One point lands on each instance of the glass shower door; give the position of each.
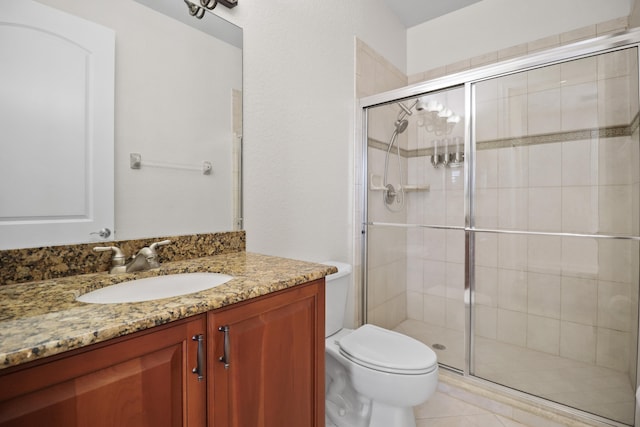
(555, 226)
(415, 221)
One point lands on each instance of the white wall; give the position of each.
(491, 25)
(299, 99)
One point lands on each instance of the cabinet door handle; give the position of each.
(201, 362)
(225, 358)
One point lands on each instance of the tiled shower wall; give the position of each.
(387, 267)
(553, 281)
(558, 152)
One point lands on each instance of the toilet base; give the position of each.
(384, 416)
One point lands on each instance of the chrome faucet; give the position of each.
(145, 259)
(150, 254)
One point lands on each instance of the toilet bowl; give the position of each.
(373, 376)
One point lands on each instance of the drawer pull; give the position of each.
(201, 362)
(225, 358)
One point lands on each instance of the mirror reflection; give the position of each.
(178, 103)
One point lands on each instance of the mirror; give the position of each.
(178, 103)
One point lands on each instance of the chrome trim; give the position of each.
(637, 421)
(469, 215)
(557, 234)
(498, 231)
(469, 297)
(364, 279)
(395, 224)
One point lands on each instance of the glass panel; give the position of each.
(415, 277)
(557, 317)
(557, 152)
(414, 161)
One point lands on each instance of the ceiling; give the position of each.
(414, 12)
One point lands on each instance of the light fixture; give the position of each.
(199, 10)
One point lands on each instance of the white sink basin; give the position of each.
(157, 287)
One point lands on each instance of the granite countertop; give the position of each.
(40, 319)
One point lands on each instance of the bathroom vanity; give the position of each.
(247, 353)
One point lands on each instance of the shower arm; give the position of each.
(406, 111)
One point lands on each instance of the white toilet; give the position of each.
(374, 377)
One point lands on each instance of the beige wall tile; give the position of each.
(455, 314)
(580, 210)
(512, 51)
(544, 43)
(512, 290)
(485, 59)
(543, 295)
(543, 334)
(580, 257)
(513, 208)
(458, 66)
(578, 342)
(512, 251)
(612, 26)
(580, 106)
(486, 322)
(613, 349)
(578, 34)
(434, 310)
(545, 165)
(579, 300)
(434, 73)
(486, 286)
(614, 306)
(544, 254)
(512, 327)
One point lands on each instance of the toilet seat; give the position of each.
(388, 351)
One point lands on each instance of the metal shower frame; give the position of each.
(468, 79)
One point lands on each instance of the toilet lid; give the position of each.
(386, 350)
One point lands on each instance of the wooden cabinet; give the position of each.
(272, 371)
(140, 380)
(272, 374)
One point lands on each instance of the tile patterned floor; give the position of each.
(445, 411)
(591, 388)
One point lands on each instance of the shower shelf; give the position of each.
(375, 184)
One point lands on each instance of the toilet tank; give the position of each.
(336, 291)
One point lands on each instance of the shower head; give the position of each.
(401, 125)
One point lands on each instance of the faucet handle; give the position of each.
(153, 246)
(118, 257)
(150, 253)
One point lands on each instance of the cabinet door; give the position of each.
(140, 380)
(273, 374)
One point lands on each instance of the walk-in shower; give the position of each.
(515, 251)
